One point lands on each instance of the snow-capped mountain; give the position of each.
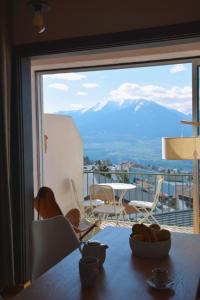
(133, 118)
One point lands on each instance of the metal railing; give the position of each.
(175, 202)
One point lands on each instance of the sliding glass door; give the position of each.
(168, 90)
(196, 132)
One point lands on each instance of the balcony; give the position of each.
(175, 206)
(63, 159)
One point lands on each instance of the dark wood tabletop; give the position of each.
(123, 276)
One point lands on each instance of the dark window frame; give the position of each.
(21, 127)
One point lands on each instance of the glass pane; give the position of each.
(121, 115)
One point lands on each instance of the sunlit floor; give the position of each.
(130, 224)
(177, 221)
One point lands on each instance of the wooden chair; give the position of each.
(47, 207)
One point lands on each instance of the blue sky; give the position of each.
(169, 85)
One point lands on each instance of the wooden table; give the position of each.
(123, 276)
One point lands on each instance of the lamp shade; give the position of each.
(181, 148)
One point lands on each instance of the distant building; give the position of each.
(125, 166)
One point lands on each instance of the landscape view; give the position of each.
(122, 114)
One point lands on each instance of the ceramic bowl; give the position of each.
(149, 250)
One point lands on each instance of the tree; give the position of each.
(87, 160)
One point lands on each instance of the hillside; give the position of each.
(131, 130)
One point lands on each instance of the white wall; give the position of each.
(63, 159)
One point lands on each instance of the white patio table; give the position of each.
(122, 187)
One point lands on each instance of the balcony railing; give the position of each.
(175, 202)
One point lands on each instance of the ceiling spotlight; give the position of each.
(39, 8)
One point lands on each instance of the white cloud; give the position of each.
(177, 68)
(66, 76)
(175, 97)
(82, 93)
(90, 85)
(149, 92)
(59, 86)
(76, 106)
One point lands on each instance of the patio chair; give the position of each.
(110, 207)
(51, 240)
(80, 215)
(146, 208)
(47, 207)
(86, 205)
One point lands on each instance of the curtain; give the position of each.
(7, 273)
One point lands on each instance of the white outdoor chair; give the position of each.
(110, 206)
(146, 208)
(91, 203)
(81, 220)
(51, 240)
(86, 206)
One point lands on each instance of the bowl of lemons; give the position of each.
(149, 241)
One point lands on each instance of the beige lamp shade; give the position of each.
(181, 148)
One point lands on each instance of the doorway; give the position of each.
(177, 65)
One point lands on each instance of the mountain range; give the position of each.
(130, 130)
